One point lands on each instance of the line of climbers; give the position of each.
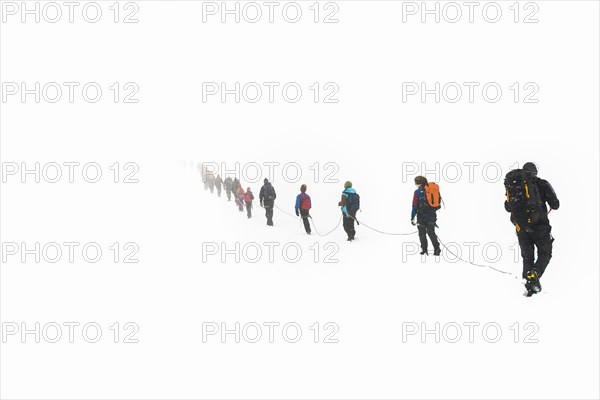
(526, 199)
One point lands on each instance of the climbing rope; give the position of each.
(393, 234)
(442, 243)
(285, 212)
(313, 222)
(475, 264)
(384, 233)
(331, 231)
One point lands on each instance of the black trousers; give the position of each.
(269, 214)
(305, 216)
(428, 229)
(541, 238)
(249, 209)
(228, 191)
(349, 225)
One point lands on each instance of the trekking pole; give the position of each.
(354, 218)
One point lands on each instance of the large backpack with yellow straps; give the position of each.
(523, 199)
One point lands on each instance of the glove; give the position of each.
(261, 204)
(413, 222)
(297, 213)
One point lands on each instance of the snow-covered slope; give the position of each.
(380, 290)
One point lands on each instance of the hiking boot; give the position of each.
(437, 252)
(532, 285)
(423, 252)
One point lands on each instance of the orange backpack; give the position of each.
(432, 193)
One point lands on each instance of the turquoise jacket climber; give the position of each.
(345, 199)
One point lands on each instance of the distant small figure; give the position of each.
(248, 197)
(350, 204)
(219, 184)
(239, 191)
(267, 198)
(228, 187)
(303, 206)
(211, 181)
(203, 172)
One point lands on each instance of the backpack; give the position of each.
(352, 203)
(305, 201)
(269, 192)
(432, 194)
(523, 198)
